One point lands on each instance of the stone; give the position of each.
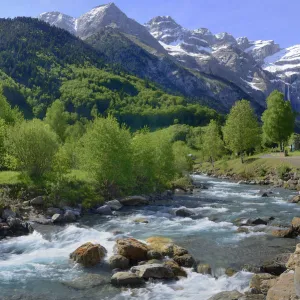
(89, 254)
(38, 201)
(157, 271)
(141, 220)
(184, 212)
(51, 211)
(261, 283)
(284, 233)
(126, 279)
(253, 297)
(234, 295)
(118, 232)
(242, 230)
(295, 199)
(258, 221)
(230, 272)
(296, 223)
(104, 210)
(86, 282)
(185, 260)
(7, 213)
(132, 249)
(284, 288)
(57, 218)
(176, 269)
(114, 204)
(18, 227)
(294, 261)
(179, 251)
(297, 281)
(69, 216)
(277, 265)
(163, 245)
(119, 262)
(204, 269)
(152, 254)
(134, 201)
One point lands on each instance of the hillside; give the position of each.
(42, 63)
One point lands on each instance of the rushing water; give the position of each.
(37, 266)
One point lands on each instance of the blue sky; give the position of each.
(258, 19)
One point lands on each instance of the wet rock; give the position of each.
(57, 218)
(141, 220)
(176, 269)
(179, 251)
(134, 201)
(152, 254)
(261, 283)
(234, 295)
(18, 227)
(117, 232)
(283, 289)
(185, 260)
(277, 265)
(230, 272)
(295, 199)
(297, 281)
(132, 249)
(8, 213)
(242, 230)
(104, 210)
(38, 201)
(157, 271)
(119, 262)
(204, 269)
(86, 282)
(296, 223)
(285, 233)
(51, 211)
(89, 254)
(69, 216)
(126, 279)
(294, 259)
(114, 204)
(184, 212)
(162, 245)
(149, 262)
(253, 297)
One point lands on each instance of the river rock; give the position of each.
(176, 269)
(297, 281)
(8, 213)
(253, 297)
(69, 216)
(126, 279)
(119, 262)
(152, 254)
(284, 233)
(57, 218)
(114, 204)
(204, 269)
(185, 260)
(86, 282)
(296, 223)
(132, 249)
(242, 230)
(162, 245)
(134, 201)
(295, 199)
(261, 283)
(179, 251)
(230, 272)
(89, 254)
(38, 201)
(277, 265)
(157, 271)
(18, 227)
(51, 211)
(283, 289)
(234, 295)
(294, 259)
(184, 212)
(104, 210)
(141, 220)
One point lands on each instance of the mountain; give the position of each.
(40, 63)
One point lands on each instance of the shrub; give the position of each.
(282, 170)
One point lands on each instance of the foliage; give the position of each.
(106, 153)
(278, 120)
(183, 161)
(241, 131)
(213, 145)
(34, 145)
(282, 170)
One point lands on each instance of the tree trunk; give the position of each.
(242, 157)
(212, 162)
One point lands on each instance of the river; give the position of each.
(37, 266)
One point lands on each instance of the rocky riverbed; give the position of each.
(224, 233)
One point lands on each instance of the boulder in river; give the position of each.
(141, 221)
(16, 227)
(119, 262)
(285, 233)
(114, 204)
(261, 283)
(57, 218)
(277, 265)
(38, 201)
(69, 216)
(176, 269)
(184, 212)
(89, 254)
(86, 282)
(134, 201)
(7, 212)
(296, 223)
(157, 271)
(126, 279)
(233, 295)
(185, 260)
(152, 254)
(132, 249)
(104, 210)
(51, 211)
(204, 269)
(294, 259)
(295, 199)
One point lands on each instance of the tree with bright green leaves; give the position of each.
(278, 120)
(182, 160)
(34, 145)
(57, 118)
(241, 131)
(2, 141)
(7, 113)
(106, 154)
(213, 145)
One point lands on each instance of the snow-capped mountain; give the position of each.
(255, 68)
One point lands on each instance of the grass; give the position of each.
(9, 177)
